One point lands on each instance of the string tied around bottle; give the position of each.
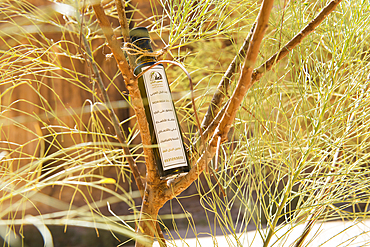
(133, 50)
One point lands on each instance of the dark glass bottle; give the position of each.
(169, 151)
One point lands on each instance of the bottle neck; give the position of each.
(144, 55)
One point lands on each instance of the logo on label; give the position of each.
(155, 76)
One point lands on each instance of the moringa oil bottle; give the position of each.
(169, 151)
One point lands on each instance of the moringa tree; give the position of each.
(156, 192)
(286, 123)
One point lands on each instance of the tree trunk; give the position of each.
(153, 200)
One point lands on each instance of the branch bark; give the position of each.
(122, 19)
(219, 95)
(120, 5)
(149, 209)
(131, 84)
(245, 81)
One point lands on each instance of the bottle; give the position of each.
(169, 150)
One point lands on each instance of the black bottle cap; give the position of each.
(139, 33)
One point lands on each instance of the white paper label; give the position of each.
(166, 128)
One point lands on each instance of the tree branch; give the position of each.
(123, 20)
(259, 72)
(131, 85)
(152, 176)
(219, 95)
(113, 117)
(245, 80)
(267, 66)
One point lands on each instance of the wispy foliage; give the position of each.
(298, 147)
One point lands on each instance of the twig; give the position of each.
(217, 152)
(282, 22)
(318, 210)
(224, 84)
(276, 58)
(332, 174)
(259, 72)
(212, 127)
(112, 114)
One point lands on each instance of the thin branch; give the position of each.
(213, 125)
(260, 71)
(132, 86)
(120, 5)
(217, 152)
(219, 95)
(323, 193)
(267, 66)
(245, 81)
(112, 115)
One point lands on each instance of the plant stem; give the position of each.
(219, 95)
(296, 40)
(152, 176)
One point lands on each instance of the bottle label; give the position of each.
(166, 127)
